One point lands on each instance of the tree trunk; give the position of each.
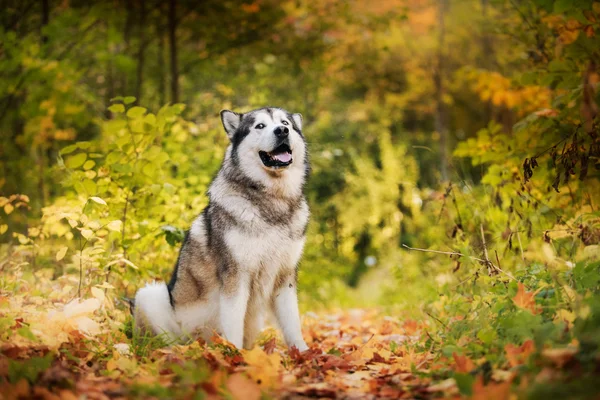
(45, 19)
(487, 61)
(161, 65)
(43, 150)
(142, 49)
(110, 80)
(173, 47)
(129, 14)
(438, 78)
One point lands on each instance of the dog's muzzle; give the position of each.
(281, 156)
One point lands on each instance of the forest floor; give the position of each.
(53, 350)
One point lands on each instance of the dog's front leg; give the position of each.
(233, 303)
(285, 308)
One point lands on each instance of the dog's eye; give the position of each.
(259, 126)
(285, 122)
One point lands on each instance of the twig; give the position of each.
(454, 253)
(520, 246)
(450, 253)
(362, 346)
(437, 319)
(485, 252)
(80, 268)
(468, 278)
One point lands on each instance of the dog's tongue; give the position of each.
(282, 157)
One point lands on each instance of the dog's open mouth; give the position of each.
(278, 158)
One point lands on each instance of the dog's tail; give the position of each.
(153, 312)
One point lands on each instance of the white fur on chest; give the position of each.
(272, 249)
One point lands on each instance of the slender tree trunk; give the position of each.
(129, 18)
(438, 78)
(110, 81)
(43, 150)
(45, 19)
(173, 47)
(161, 65)
(487, 53)
(142, 49)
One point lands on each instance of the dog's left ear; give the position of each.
(297, 120)
(231, 122)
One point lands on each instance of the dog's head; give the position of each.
(267, 144)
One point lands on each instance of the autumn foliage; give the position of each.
(453, 249)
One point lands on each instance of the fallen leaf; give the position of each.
(560, 357)
(463, 363)
(526, 300)
(242, 388)
(491, 391)
(263, 368)
(518, 355)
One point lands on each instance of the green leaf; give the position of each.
(487, 335)
(128, 99)
(334, 351)
(61, 253)
(560, 6)
(69, 149)
(149, 169)
(76, 161)
(25, 332)
(89, 164)
(150, 119)
(28, 369)
(89, 186)
(173, 235)
(113, 157)
(115, 225)
(117, 108)
(98, 200)
(136, 112)
(464, 382)
(84, 145)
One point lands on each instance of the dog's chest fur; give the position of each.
(265, 236)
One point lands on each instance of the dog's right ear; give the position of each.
(231, 122)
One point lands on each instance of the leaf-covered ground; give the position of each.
(82, 349)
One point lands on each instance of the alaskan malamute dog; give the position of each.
(239, 259)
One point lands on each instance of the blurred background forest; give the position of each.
(463, 126)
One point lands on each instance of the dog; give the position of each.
(239, 260)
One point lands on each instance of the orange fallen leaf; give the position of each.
(526, 300)
(270, 346)
(463, 363)
(263, 368)
(491, 391)
(559, 357)
(242, 388)
(518, 355)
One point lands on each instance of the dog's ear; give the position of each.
(231, 122)
(297, 120)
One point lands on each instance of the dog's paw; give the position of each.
(301, 346)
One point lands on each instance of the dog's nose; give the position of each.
(281, 131)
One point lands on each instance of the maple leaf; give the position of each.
(463, 363)
(270, 346)
(263, 368)
(492, 391)
(241, 387)
(526, 300)
(518, 355)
